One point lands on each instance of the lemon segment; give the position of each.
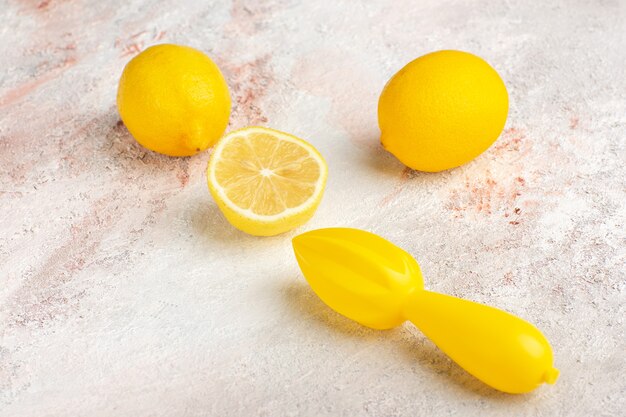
(264, 181)
(174, 100)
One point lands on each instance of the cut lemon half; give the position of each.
(266, 182)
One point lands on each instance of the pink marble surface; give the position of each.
(124, 292)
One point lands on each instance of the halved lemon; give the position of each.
(266, 182)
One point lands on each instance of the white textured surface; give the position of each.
(124, 292)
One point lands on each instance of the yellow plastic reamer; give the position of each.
(368, 279)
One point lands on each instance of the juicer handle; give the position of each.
(502, 350)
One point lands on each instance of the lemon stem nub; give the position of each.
(551, 376)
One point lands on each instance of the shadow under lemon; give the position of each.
(210, 225)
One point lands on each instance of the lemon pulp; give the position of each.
(266, 182)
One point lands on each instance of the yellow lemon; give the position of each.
(442, 110)
(266, 182)
(173, 100)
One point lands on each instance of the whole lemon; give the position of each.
(174, 100)
(442, 110)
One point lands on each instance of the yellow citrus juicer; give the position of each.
(370, 280)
